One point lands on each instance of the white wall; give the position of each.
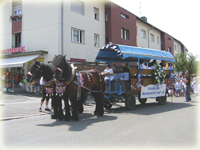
(5, 24)
(178, 47)
(85, 22)
(40, 26)
(141, 42)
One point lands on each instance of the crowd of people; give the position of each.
(183, 82)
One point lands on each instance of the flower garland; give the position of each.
(158, 75)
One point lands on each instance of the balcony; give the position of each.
(16, 23)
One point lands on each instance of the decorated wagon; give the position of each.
(141, 83)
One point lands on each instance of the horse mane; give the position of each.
(33, 64)
(60, 61)
(45, 69)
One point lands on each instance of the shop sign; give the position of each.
(13, 50)
(153, 91)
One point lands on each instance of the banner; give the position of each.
(153, 91)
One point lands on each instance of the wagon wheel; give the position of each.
(142, 100)
(130, 102)
(161, 100)
(107, 104)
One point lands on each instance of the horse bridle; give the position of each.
(33, 76)
(59, 69)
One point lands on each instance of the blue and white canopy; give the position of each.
(122, 53)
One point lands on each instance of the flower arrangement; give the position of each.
(158, 75)
(15, 17)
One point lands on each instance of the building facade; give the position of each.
(72, 28)
(75, 28)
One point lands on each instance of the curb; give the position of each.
(20, 117)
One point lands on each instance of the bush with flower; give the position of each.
(158, 75)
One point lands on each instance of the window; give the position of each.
(124, 16)
(17, 13)
(158, 40)
(169, 39)
(175, 47)
(77, 6)
(143, 34)
(136, 31)
(106, 17)
(17, 40)
(96, 40)
(96, 13)
(124, 34)
(77, 35)
(169, 49)
(152, 37)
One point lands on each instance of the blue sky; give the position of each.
(178, 18)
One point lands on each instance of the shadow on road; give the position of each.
(85, 119)
(151, 108)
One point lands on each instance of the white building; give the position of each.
(47, 28)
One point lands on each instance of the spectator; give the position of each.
(24, 82)
(196, 83)
(187, 81)
(178, 87)
(16, 79)
(42, 101)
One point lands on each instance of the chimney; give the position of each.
(144, 18)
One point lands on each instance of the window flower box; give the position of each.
(16, 17)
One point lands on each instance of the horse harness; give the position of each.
(61, 86)
(48, 85)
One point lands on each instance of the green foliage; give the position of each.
(185, 62)
(192, 64)
(180, 62)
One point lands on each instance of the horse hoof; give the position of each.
(75, 118)
(95, 113)
(53, 117)
(67, 118)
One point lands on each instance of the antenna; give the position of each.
(140, 8)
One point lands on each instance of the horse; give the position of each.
(44, 71)
(75, 85)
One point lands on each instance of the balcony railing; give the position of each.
(16, 17)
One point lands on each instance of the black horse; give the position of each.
(76, 85)
(36, 71)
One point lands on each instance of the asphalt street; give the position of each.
(150, 126)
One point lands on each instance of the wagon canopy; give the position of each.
(123, 53)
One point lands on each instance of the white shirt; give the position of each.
(178, 85)
(143, 66)
(170, 68)
(111, 72)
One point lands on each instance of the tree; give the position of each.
(185, 62)
(180, 62)
(191, 64)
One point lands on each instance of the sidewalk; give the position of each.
(21, 91)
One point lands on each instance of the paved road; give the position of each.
(174, 125)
